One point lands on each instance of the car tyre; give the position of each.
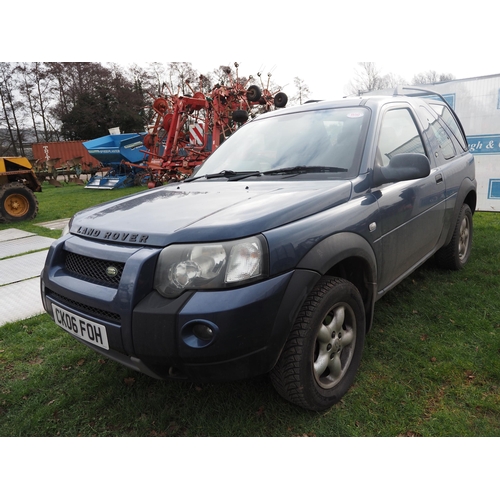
(455, 255)
(323, 352)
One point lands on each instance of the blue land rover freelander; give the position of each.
(270, 258)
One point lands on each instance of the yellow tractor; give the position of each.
(18, 183)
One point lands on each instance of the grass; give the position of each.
(431, 366)
(63, 202)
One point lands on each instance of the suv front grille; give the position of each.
(94, 270)
(93, 311)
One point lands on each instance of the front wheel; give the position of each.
(323, 352)
(455, 255)
(17, 203)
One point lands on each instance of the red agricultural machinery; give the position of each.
(187, 129)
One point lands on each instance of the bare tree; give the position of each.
(26, 90)
(366, 79)
(156, 74)
(179, 73)
(431, 76)
(369, 78)
(392, 81)
(221, 75)
(302, 93)
(35, 87)
(10, 107)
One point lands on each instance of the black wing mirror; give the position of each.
(402, 167)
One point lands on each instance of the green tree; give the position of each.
(113, 101)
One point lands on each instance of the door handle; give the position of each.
(439, 178)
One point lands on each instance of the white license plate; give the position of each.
(81, 328)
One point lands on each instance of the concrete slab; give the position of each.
(21, 268)
(19, 274)
(54, 224)
(20, 301)
(23, 245)
(13, 234)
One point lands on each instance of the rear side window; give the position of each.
(450, 121)
(398, 135)
(440, 134)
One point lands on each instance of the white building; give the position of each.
(477, 103)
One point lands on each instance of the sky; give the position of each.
(332, 81)
(316, 41)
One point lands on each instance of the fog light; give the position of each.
(203, 332)
(199, 333)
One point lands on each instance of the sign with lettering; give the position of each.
(484, 144)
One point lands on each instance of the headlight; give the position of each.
(210, 265)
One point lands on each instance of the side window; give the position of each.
(450, 121)
(445, 143)
(398, 134)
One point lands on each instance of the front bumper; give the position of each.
(157, 336)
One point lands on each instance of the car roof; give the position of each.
(372, 101)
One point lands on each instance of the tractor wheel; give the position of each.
(280, 100)
(17, 203)
(254, 93)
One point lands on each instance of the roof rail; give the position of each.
(421, 92)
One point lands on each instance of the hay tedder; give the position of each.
(186, 130)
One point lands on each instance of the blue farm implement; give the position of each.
(120, 155)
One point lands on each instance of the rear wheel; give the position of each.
(323, 352)
(240, 115)
(254, 93)
(455, 255)
(280, 100)
(17, 203)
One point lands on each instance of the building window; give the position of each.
(494, 189)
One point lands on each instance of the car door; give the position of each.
(411, 212)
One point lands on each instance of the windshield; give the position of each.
(328, 140)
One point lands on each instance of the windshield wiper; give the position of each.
(302, 169)
(231, 175)
(228, 174)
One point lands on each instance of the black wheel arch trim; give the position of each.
(466, 193)
(344, 247)
(301, 284)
